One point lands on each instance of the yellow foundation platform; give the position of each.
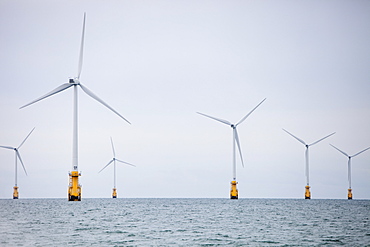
(307, 194)
(234, 191)
(74, 188)
(15, 192)
(349, 194)
(114, 194)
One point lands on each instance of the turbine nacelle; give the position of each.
(74, 81)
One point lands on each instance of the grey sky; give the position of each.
(159, 62)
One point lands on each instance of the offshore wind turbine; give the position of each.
(349, 168)
(234, 191)
(307, 191)
(17, 156)
(74, 188)
(114, 194)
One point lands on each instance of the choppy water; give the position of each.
(184, 222)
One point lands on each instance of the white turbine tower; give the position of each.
(234, 191)
(307, 193)
(349, 168)
(17, 156)
(114, 194)
(74, 190)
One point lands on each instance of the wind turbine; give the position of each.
(74, 189)
(114, 194)
(234, 192)
(307, 192)
(17, 156)
(349, 168)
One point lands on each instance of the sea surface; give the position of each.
(184, 222)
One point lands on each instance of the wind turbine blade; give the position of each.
(339, 150)
(217, 119)
(106, 165)
(57, 90)
(125, 162)
(321, 139)
(114, 153)
(92, 95)
(237, 142)
(26, 138)
(7, 147)
(250, 112)
(19, 157)
(81, 49)
(301, 141)
(361, 152)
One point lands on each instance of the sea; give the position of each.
(184, 222)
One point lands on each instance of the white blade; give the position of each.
(92, 95)
(7, 147)
(217, 119)
(301, 141)
(81, 48)
(114, 153)
(321, 139)
(19, 157)
(106, 165)
(237, 142)
(361, 152)
(339, 150)
(26, 137)
(250, 113)
(125, 162)
(57, 90)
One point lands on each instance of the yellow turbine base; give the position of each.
(15, 192)
(234, 191)
(114, 194)
(307, 194)
(349, 194)
(74, 188)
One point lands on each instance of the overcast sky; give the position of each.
(159, 62)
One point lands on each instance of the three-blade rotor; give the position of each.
(16, 149)
(76, 81)
(114, 158)
(306, 152)
(235, 132)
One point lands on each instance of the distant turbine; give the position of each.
(234, 191)
(76, 196)
(17, 156)
(349, 168)
(114, 195)
(308, 193)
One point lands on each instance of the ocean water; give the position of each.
(184, 222)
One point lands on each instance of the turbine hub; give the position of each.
(74, 81)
